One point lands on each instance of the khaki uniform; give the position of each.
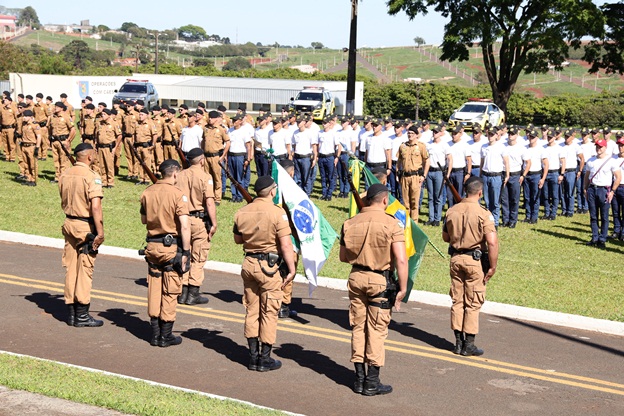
(467, 223)
(78, 186)
(42, 114)
(412, 159)
(88, 129)
(60, 126)
(212, 145)
(18, 144)
(158, 147)
(183, 119)
(30, 131)
(261, 224)
(118, 119)
(107, 135)
(144, 138)
(130, 120)
(172, 130)
(8, 116)
(162, 204)
(368, 238)
(70, 111)
(197, 185)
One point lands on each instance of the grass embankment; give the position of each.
(542, 266)
(112, 392)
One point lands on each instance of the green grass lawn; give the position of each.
(112, 392)
(56, 41)
(543, 266)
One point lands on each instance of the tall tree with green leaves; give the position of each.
(28, 17)
(77, 53)
(515, 36)
(607, 52)
(192, 33)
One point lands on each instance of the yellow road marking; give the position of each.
(345, 337)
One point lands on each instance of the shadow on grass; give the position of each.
(51, 304)
(129, 321)
(228, 296)
(317, 362)
(215, 341)
(343, 209)
(604, 348)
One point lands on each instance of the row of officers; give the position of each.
(179, 214)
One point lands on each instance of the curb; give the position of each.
(435, 299)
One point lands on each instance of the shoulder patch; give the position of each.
(184, 198)
(97, 181)
(285, 217)
(210, 182)
(491, 217)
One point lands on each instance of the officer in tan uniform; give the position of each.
(163, 208)
(216, 145)
(69, 109)
(87, 125)
(30, 143)
(8, 118)
(108, 138)
(197, 185)
(117, 114)
(42, 114)
(81, 199)
(62, 133)
(413, 166)
(145, 135)
(263, 229)
(373, 242)
(21, 107)
(183, 116)
(469, 229)
(172, 129)
(158, 121)
(130, 120)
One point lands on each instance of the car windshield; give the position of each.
(133, 88)
(310, 96)
(473, 108)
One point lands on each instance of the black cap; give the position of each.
(140, 102)
(88, 98)
(107, 111)
(63, 95)
(214, 114)
(195, 152)
(263, 182)
(476, 128)
(375, 190)
(81, 147)
(378, 169)
(260, 118)
(221, 108)
(144, 111)
(167, 164)
(39, 95)
(27, 113)
(60, 105)
(184, 106)
(513, 131)
(90, 106)
(414, 129)
(237, 118)
(458, 129)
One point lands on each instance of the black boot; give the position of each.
(470, 348)
(372, 385)
(194, 298)
(166, 337)
(155, 332)
(459, 341)
(71, 314)
(254, 344)
(284, 311)
(83, 319)
(184, 295)
(266, 363)
(360, 375)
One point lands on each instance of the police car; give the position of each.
(477, 111)
(134, 89)
(314, 100)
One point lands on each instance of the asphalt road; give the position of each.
(527, 368)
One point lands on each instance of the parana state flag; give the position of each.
(314, 233)
(415, 239)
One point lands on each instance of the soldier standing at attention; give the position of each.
(172, 130)
(108, 138)
(371, 288)
(69, 109)
(264, 231)
(8, 115)
(83, 229)
(144, 138)
(31, 143)
(62, 133)
(42, 114)
(413, 166)
(216, 145)
(164, 210)
(198, 186)
(470, 231)
(87, 124)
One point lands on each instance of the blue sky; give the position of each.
(292, 22)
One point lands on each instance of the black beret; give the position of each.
(167, 164)
(375, 190)
(81, 147)
(199, 111)
(221, 108)
(107, 111)
(63, 95)
(22, 105)
(414, 129)
(90, 106)
(287, 163)
(171, 111)
(201, 105)
(378, 169)
(144, 111)
(39, 95)
(140, 102)
(156, 108)
(29, 97)
(195, 152)
(263, 182)
(164, 107)
(7, 97)
(49, 98)
(184, 106)
(103, 105)
(214, 114)
(60, 105)
(88, 98)
(27, 113)
(20, 95)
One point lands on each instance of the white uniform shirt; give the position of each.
(376, 148)
(570, 154)
(588, 149)
(426, 136)
(262, 137)
(327, 141)
(600, 175)
(279, 140)
(535, 155)
(475, 151)
(492, 157)
(553, 153)
(396, 143)
(191, 137)
(459, 151)
(612, 148)
(363, 137)
(347, 137)
(303, 141)
(515, 154)
(238, 139)
(437, 153)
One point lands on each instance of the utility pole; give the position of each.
(350, 104)
(156, 35)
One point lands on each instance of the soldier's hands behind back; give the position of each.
(97, 241)
(399, 297)
(289, 278)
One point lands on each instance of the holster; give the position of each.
(177, 264)
(390, 293)
(485, 262)
(87, 246)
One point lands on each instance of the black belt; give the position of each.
(327, 155)
(27, 144)
(144, 144)
(165, 239)
(281, 157)
(208, 154)
(128, 135)
(303, 156)
(198, 214)
(357, 267)
(458, 169)
(85, 219)
(435, 170)
(237, 153)
(598, 186)
(346, 153)
(492, 174)
(418, 172)
(515, 173)
(553, 170)
(454, 252)
(375, 165)
(88, 136)
(7, 126)
(537, 172)
(42, 123)
(571, 170)
(110, 146)
(58, 138)
(168, 143)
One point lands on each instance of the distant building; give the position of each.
(83, 27)
(7, 26)
(308, 69)
(189, 46)
(126, 62)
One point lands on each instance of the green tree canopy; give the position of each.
(192, 33)
(317, 45)
(607, 52)
(28, 17)
(419, 41)
(77, 53)
(514, 35)
(237, 64)
(125, 26)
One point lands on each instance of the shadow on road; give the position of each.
(337, 316)
(228, 296)
(141, 282)
(409, 330)
(218, 343)
(317, 362)
(51, 304)
(567, 337)
(129, 321)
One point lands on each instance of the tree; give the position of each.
(192, 33)
(125, 26)
(14, 59)
(28, 17)
(419, 41)
(102, 28)
(530, 35)
(237, 64)
(77, 53)
(607, 52)
(317, 45)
